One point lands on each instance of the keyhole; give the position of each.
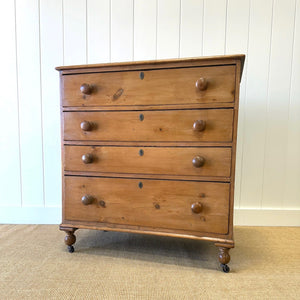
(142, 75)
(141, 152)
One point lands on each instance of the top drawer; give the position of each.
(150, 87)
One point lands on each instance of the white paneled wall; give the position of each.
(38, 35)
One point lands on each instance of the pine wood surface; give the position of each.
(166, 86)
(155, 160)
(167, 204)
(167, 125)
(160, 63)
(171, 124)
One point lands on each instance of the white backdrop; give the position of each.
(38, 35)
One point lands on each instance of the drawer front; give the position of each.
(197, 161)
(206, 125)
(150, 87)
(184, 205)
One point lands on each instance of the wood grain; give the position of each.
(178, 233)
(155, 160)
(176, 125)
(159, 204)
(158, 87)
(151, 149)
(218, 60)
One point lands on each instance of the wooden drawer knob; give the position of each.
(198, 161)
(86, 126)
(199, 125)
(196, 207)
(201, 84)
(86, 89)
(87, 199)
(87, 158)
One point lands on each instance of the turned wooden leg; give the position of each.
(224, 257)
(70, 239)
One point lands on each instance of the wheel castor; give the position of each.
(71, 249)
(225, 268)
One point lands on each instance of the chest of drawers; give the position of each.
(149, 147)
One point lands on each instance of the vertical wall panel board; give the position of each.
(191, 28)
(292, 180)
(121, 30)
(74, 18)
(98, 31)
(31, 139)
(256, 103)
(214, 27)
(168, 24)
(237, 42)
(10, 186)
(278, 103)
(144, 30)
(51, 32)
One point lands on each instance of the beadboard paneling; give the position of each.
(98, 31)
(74, 32)
(40, 35)
(10, 166)
(214, 27)
(30, 104)
(255, 109)
(121, 39)
(145, 29)
(278, 103)
(168, 22)
(191, 28)
(292, 166)
(237, 42)
(51, 45)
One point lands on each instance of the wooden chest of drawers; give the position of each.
(149, 147)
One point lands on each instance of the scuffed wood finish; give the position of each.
(149, 147)
(207, 125)
(167, 204)
(157, 64)
(178, 233)
(149, 160)
(150, 87)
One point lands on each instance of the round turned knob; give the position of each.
(86, 89)
(87, 199)
(199, 125)
(87, 158)
(201, 84)
(198, 161)
(196, 207)
(86, 126)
